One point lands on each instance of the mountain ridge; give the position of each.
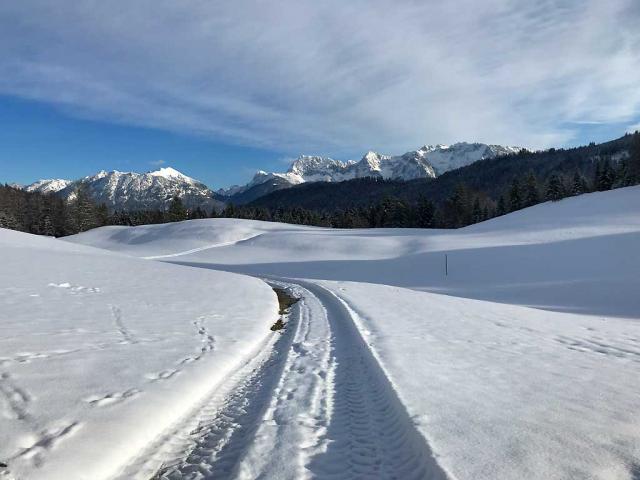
(426, 162)
(134, 191)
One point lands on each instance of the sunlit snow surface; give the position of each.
(526, 368)
(99, 353)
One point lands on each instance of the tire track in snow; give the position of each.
(316, 405)
(211, 440)
(293, 426)
(370, 433)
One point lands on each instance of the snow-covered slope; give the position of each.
(100, 353)
(48, 185)
(507, 392)
(554, 255)
(426, 162)
(449, 157)
(494, 387)
(143, 191)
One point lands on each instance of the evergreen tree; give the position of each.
(607, 177)
(176, 211)
(458, 210)
(501, 209)
(555, 189)
(596, 177)
(579, 185)
(477, 215)
(515, 196)
(532, 194)
(7, 220)
(102, 214)
(85, 212)
(230, 211)
(425, 211)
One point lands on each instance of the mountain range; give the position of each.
(135, 191)
(154, 190)
(428, 161)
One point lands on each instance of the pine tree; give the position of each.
(7, 220)
(424, 213)
(596, 177)
(85, 212)
(515, 196)
(579, 185)
(458, 207)
(176, 211)
(501, 209)
(555, 189)
(102, 214)
(532, 194)
(607, 177)
(476, 215)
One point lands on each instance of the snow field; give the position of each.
(576, 255)
(100, 353)
(503, 391)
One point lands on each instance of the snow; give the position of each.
(171, 173)
(140, 191)
(503, 391)
(426, 162)
(48, 185)
(574, 255)
(101, 353)
(525, 368)
(449, 157)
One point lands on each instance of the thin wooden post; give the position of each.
(446, 265)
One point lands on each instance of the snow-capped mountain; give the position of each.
(323, 169)
(51, 185)
(449, 157)
(136, 191)
(426, 162)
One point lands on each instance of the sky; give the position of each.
(220, 89)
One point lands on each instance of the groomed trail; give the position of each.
(313, 403)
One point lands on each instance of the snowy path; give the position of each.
(313, 404)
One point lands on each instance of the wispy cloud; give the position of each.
(331, 76)
(157, 163)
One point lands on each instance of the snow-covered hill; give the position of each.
(100, 353)
(426, 162)
(135, 191)
(531, 376)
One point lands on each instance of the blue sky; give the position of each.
(39, 141)
(220, 89)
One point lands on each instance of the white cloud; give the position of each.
(157, 163)
(331, 76)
